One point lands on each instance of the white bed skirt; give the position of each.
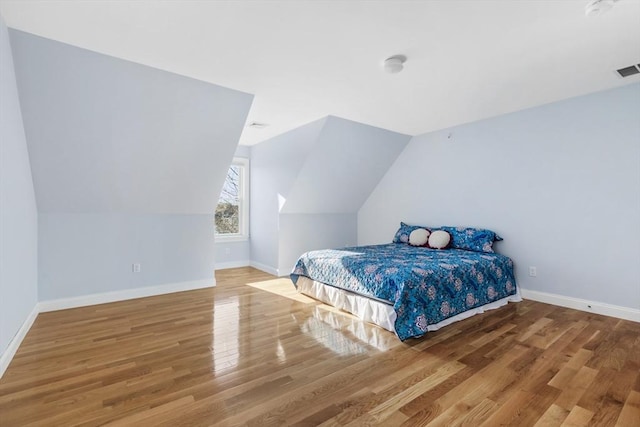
(377, 312)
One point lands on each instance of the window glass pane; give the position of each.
(227, 217)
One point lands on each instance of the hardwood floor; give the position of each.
(253, 352)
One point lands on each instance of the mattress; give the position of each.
(406, 289)
(379, 313)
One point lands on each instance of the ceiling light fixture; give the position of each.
(598, 7)
(394, 64)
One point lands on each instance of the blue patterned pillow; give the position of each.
(472, 239)
(402, 235)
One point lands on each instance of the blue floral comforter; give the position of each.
(425, 286)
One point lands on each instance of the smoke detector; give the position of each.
(394, 64)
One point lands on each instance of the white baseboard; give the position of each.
(620, 312)
(11, 349)
(232, 264)
(605, 309)
(265, 268)
(106, 297)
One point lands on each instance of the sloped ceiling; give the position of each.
(108, 135)
(467, 59)
(343, 167)
(308, 184)
(276, 163)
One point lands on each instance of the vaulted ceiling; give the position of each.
(467, 59)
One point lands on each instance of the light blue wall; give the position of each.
(560, 183)
(308, 184)
(18, 211)
(233, 254)
(344, 165)
(83, 254)
(274, 167)
(127, 163)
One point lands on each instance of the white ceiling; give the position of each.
(467, 59)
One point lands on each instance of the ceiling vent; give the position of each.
(629, 71)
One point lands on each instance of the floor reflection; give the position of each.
(280, 353)
(342, 333)
(226, 329)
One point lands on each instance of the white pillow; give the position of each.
(419, 237)
(439, 239)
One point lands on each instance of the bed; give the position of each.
(405, 289)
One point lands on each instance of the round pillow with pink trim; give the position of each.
(439, 239)
(419, 237)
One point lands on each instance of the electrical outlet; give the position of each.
(136, 268)
(533, 272)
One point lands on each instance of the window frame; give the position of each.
(243, 205)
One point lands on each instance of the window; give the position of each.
(232, 211)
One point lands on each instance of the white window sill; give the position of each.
(221, 238)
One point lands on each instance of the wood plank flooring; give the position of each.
(253, 352)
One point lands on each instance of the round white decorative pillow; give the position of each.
(439, 239)
(419, 237)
